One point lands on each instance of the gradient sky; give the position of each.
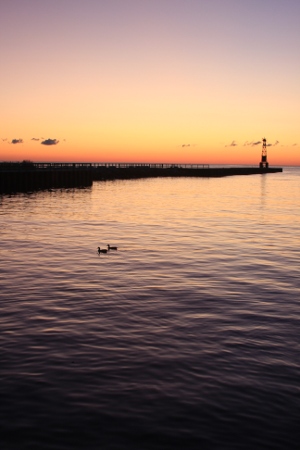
(191, 81)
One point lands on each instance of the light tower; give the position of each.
(264, 163)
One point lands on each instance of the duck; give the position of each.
(101, 250)
(111, 248)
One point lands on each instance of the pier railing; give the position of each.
(43, 165)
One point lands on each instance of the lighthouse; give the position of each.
(264, 163)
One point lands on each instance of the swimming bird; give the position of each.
(101, 250)
(111, 248)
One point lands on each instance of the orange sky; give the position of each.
(131, 81)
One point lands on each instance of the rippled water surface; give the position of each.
(186, 337)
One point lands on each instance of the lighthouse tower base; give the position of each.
(264, 163)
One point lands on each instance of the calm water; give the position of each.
(186, 337)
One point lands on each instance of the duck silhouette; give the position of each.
(101, 250)
(111, 248)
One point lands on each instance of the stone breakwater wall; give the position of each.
(116, 173)
(32, 180)
(31, 177)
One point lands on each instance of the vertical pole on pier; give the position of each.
(264, 163)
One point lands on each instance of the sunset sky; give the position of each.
(190, 81)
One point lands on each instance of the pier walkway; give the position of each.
(30, 176)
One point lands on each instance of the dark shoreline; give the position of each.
(27, 176)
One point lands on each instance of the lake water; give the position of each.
(186, 337)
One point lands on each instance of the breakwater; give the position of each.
(28, 176)
(163, 170)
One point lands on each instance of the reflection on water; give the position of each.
(187, 336)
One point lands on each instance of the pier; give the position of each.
(29, 176)
(133, 171)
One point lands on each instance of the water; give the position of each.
(186, 337)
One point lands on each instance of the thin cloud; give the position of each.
(35, 139)
(233, 144)
(186, 145)
(276, 143)
(251, 143)
(17, 141)
(50, 142)
(4, 139)
(294, 145)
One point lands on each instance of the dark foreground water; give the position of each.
(186, 337)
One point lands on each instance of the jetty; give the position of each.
(29, 176)
(132, 171)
